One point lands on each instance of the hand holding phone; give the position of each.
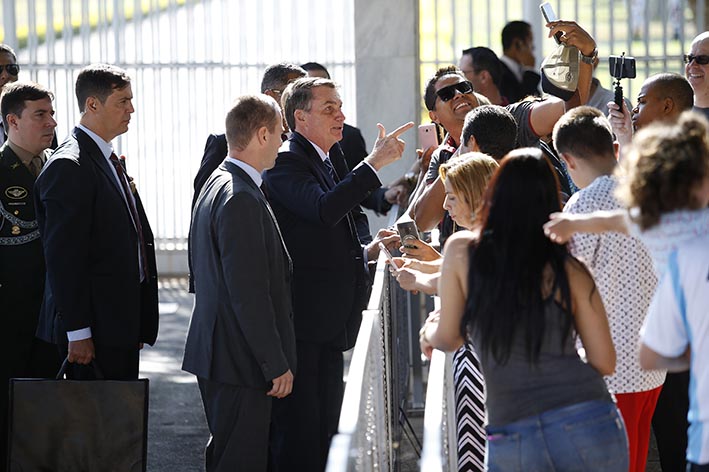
(428, 136)
(393, 267)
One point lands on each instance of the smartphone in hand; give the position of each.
(549, 16)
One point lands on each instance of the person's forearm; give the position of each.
(428, 208)
(651, 360)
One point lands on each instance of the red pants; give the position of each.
(637, 409)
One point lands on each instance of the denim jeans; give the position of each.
(588, 436)
(691, 467)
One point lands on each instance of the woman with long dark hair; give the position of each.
(521, 300)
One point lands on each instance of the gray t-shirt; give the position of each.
(519, 389)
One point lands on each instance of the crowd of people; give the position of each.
(564, 353)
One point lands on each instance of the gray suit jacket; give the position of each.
(241, 331)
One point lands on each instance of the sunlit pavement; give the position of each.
(177, 430)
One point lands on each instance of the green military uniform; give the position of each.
(22, 276)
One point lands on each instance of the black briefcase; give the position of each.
(77, 425)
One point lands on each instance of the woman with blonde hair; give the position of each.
(465, 179)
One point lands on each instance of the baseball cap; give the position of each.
(560, 72)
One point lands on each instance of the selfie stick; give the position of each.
(618, 89)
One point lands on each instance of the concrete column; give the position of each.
(387, 73)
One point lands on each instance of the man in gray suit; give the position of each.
(241, 343)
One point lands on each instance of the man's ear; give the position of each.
(484, 76)
(12, 120)
(568, 159)
(262, 135)
(668, 106)
(299, 115)
(472, 145)
(91, 104)
(433, 116)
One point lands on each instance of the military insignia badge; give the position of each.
(15, 230)
(16, 193)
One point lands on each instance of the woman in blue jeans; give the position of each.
(522, 300)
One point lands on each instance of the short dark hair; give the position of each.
(8, 50)
(485, 59)
(247, 115)
(515, 30)
(100, 81)
(315, 66)
(494, 129)
(14, 95)
(584, 132)
(299, 95)
(275, 77)
(429, 94)
(676, 87)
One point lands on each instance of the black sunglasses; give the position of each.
(12, 69)
(447, 93)
(701, 59)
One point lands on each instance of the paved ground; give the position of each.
(177, 429)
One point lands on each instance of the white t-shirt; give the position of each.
(626, 281)
(679, 317)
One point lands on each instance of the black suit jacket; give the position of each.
(91, 251)
(321, 222)
(515, 90)
(241, 331)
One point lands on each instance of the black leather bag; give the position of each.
(77, 425)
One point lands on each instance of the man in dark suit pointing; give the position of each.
(316, 201)
(101, 296)
(241, 343)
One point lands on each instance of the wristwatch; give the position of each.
(590, 58)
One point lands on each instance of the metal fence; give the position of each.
(439, 452)
(188, 60)
(384, 376)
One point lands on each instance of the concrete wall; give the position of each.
(387, 65)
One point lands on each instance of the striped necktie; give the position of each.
(331, 169)
(133, 212)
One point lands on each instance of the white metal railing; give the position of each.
(439, 453)
(365, 436)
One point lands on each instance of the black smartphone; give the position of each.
(408, 232)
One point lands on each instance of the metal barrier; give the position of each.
(384, 370)
(440, 453)
(364, 439)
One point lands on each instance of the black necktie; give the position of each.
(133, 210)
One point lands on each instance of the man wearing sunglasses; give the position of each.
(449, 97)
(696, 70)
(8, 73)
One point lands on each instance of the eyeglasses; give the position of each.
(701, 59)
(276, 91)
(12, 69)
(447, 93)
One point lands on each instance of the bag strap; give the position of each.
(65, 365)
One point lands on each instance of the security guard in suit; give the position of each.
(27, 112)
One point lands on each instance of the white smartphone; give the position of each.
(388, 255)
(428, 136)
(549, 16)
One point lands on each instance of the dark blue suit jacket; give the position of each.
(320, 221)
(91, 251)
